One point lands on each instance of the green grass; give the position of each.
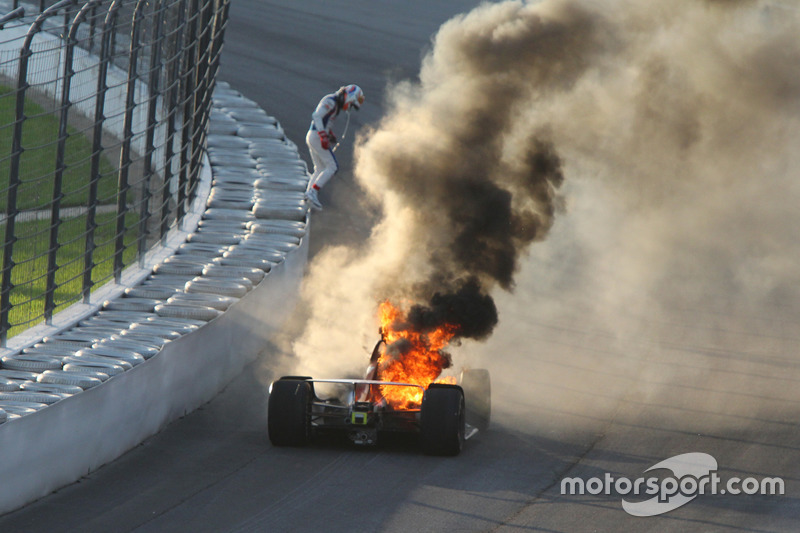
(30, 256)
(38, 161)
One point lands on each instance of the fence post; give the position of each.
(92, 26)
(66, 104)
(220, 22)
(127, 139)
(14, 179)
(152, 105)
(174, 77)
(109, 24)
(199, 95)
(190, 68)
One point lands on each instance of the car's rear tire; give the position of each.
(478, 397)
(442, 418)
(288, 413)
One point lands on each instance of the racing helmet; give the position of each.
(353, 97)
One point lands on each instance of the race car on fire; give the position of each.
(444, 413)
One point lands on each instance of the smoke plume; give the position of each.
(661, 130)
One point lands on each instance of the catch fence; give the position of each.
(104, 109)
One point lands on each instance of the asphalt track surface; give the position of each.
(572, 398)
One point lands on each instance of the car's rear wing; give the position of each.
(365, 382)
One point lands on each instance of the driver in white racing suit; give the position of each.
(321, 140)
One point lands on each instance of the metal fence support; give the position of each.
(190, 66)
(127, 139)
(174, 87)
(153, 85)
(97, 145)
(61, 147)
(199, 97)
(92, 26)
(219, 37)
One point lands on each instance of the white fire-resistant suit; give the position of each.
(322, 119)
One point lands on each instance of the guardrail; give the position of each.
(104, 107)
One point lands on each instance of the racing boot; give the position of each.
(312, 198)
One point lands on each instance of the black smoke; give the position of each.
(468, 308)
(481, 184)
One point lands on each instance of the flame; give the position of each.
(411, 356)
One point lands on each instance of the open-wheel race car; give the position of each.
(444, 415)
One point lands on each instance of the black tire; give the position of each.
(288, 413)
(442, 419)
(478, 397)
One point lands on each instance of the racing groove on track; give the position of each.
(571, 398)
